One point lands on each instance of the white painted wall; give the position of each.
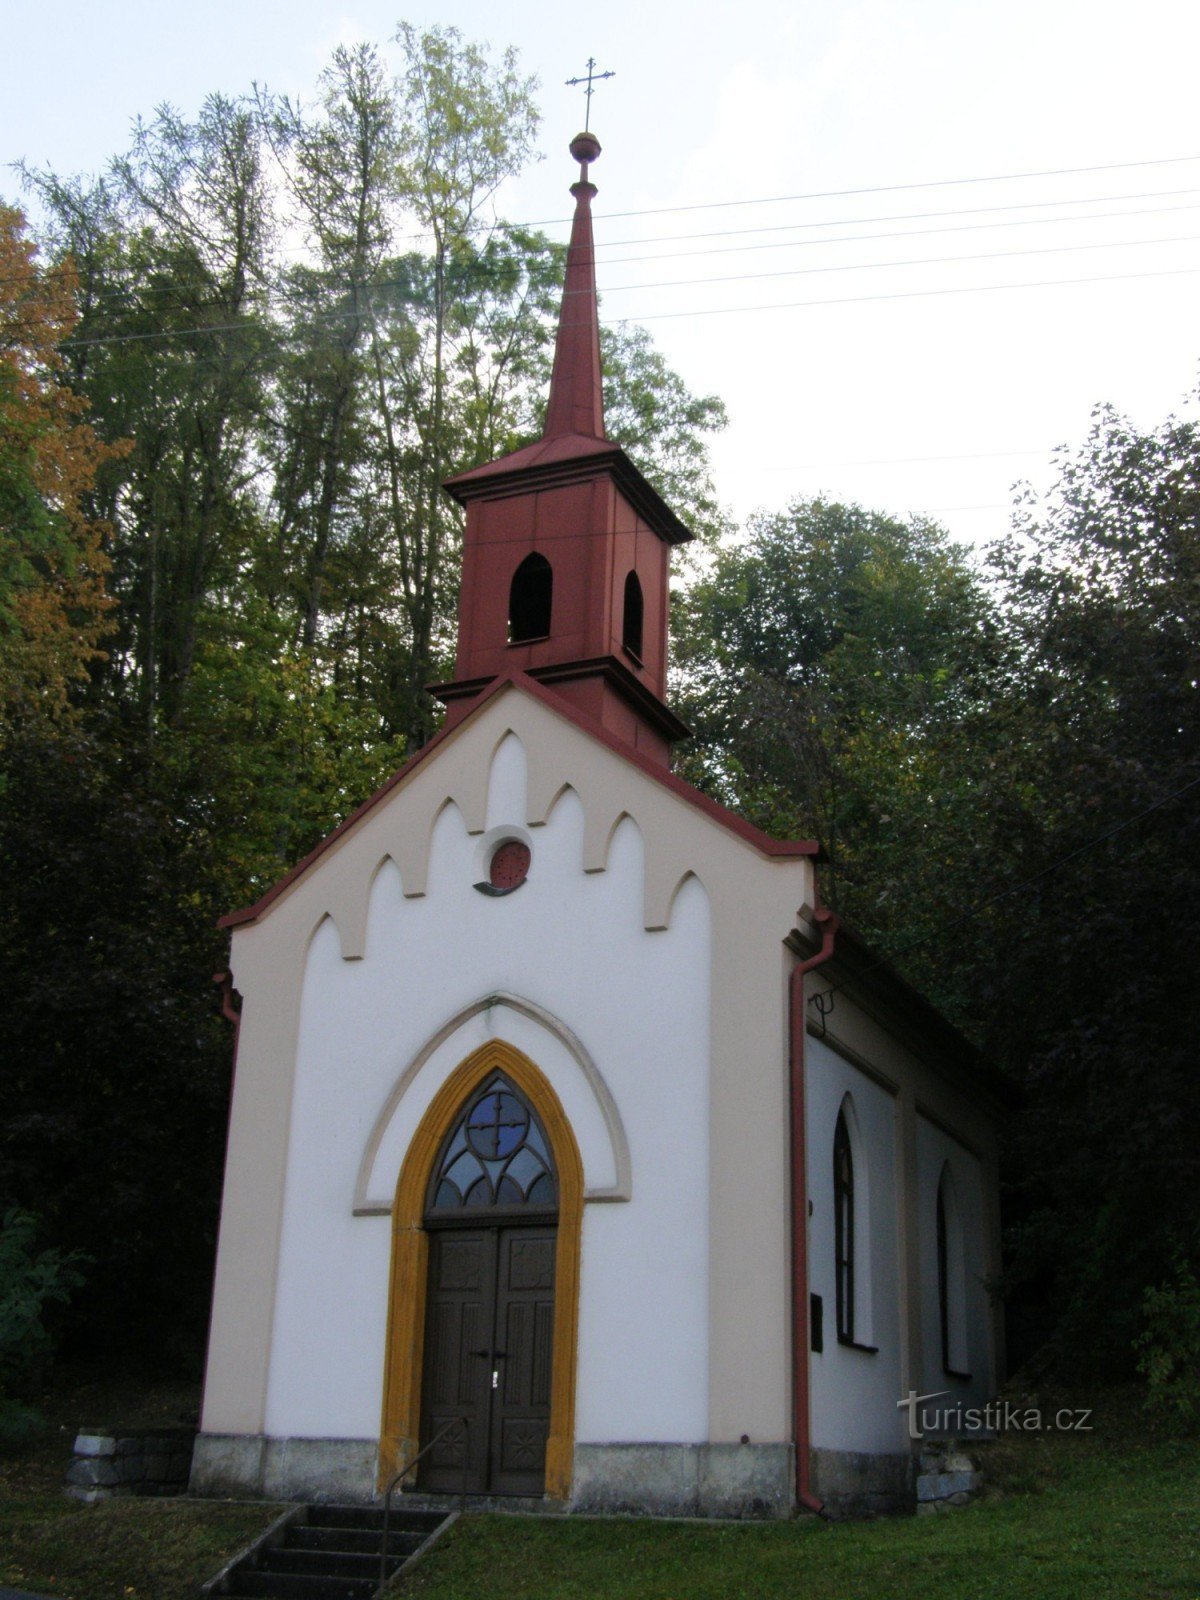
(572, 943)
(854, 1392)
(934, 1149)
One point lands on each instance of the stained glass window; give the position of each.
(497, 1155)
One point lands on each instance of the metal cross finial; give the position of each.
(593, 78)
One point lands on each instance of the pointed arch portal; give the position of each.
(485, 1255)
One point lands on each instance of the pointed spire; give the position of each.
(576, 403)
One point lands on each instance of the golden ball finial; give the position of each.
(585, 147)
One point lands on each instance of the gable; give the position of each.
(691, 834)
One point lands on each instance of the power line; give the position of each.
(917, 294)
(484, 270)
(903, 461)
(797, 226)
(902, 216)
(658, 316)
(911, 261)
(885, 188)
(898, 233)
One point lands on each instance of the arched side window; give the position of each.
(496, 1157)
(529, 600)
(952, 1278)
(631, 628)
(843, 1229)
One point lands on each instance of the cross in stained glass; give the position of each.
(496, 1125)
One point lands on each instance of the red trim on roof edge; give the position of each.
(762, 842)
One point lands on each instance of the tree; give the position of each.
(1096, 999)
(652, 414)
(54, 611)
(283, 581)
(826, 664)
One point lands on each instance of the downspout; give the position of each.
(230, 1012)
(827, 922)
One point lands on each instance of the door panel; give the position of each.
(525, 1317)
(457, 1379)
(488, 1356)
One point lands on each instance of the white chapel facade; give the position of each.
(536, 1127)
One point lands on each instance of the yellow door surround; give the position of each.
(410, 1262)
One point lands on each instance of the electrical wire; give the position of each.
(900, 233)
(885, 188)
(911, 261)
(901, 216)
(916, 294)
(603, 245)
(908, 294)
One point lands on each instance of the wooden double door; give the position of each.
(488, 1354)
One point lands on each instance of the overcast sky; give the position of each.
(890, 370)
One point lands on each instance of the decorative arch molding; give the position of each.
(400, 1428)
(541, 808)
(368, 1205)
(599, 831)
(508, 769)
(665, 882)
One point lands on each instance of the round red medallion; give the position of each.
(509, 865)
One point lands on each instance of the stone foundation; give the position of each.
(651, 1480)
(250, 1467)
(855, 1484)
(705, 1480)
(156, 1461)
(948, 1477)
(683, 1480)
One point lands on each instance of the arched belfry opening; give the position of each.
(530, 598)
(633, 615)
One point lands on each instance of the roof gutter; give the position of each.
(827, 922)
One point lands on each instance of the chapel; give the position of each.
(571, 1137)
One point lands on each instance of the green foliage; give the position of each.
(827, 664)
(1169, 1346)
(650, 412)
(283, 584)
(1093, 994)
(963, 745)
(29, 1283)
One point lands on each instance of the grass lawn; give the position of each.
(1108, 1515)
(128, 1549)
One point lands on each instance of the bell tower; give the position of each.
(567, 548)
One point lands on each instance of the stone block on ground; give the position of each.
(95, 1444)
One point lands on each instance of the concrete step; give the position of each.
(329, 1552)
(401, 1543)
(327, 1563)
(300, 1585)
(402, 1519)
